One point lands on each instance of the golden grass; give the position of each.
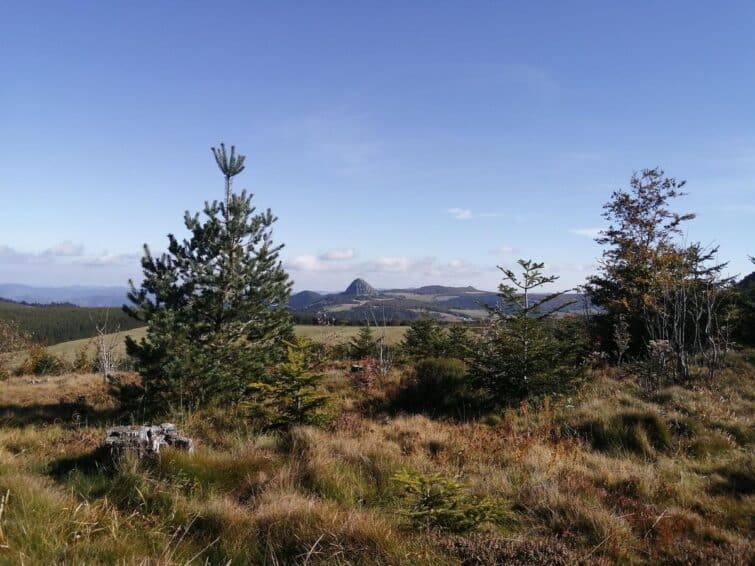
(330, 335)
(328, 496)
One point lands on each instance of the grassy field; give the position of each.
(613, 475)
(326, 334)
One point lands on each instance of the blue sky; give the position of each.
(404, 142)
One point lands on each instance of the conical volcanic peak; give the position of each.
(360, 287)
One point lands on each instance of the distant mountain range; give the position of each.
(361, 301)
(82, 296)
(358, 302)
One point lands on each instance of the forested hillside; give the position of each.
(51, 324)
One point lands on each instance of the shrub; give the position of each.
(425, 338)
(81, 362)
(439, 386)
(442, 504)
(523, 352)
(291, 394)
(363, 344)
(41, 362)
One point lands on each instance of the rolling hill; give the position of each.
(51, 324)
(361, 301)
(40, 311)
(83, 296)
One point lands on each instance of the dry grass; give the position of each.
(610, 476)
(330, 335)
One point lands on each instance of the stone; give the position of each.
(145, 440)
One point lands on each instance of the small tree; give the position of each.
(519, 354)
(215, 304)
(106, 347)
(458, 342)
(425, 339)
(641, 233)
(363, 344)
(290, 395)
(656, 289)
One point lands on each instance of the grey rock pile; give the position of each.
(145, 440)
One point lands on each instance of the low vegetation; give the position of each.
(611, 474)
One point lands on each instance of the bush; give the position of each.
(82, 363)
(41, 362)
(442, 504)
(510, 372)
(291, 395)
(439, 386)
(425, 338)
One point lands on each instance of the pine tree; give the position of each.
(363, 344)
(425, 339)
(458, 342)
(289, 395)
(215, 304)
(519, 354)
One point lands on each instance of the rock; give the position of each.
(359, 287)
(145, 440)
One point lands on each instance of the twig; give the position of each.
(596, 547)
(190, 560)
(658, 520)
(312, 549)
(3, 501)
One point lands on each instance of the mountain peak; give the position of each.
(360, 287)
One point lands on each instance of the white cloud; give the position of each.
(589, 232)
(467, 214)
(313, 264)
(504, 250)
(338, 254)
(421, 267)
(386, 265)
(460, 213)
(107, 259)
(65, 249)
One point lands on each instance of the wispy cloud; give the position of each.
(11, 256)
(460, 213)
(504, 250)
(467, 214)
(426, 266)
(65, 249)
(64, 253)
(338, 254)
(109, 260)
(313, 264)
(588, 232)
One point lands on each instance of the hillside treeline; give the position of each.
(51, 324)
